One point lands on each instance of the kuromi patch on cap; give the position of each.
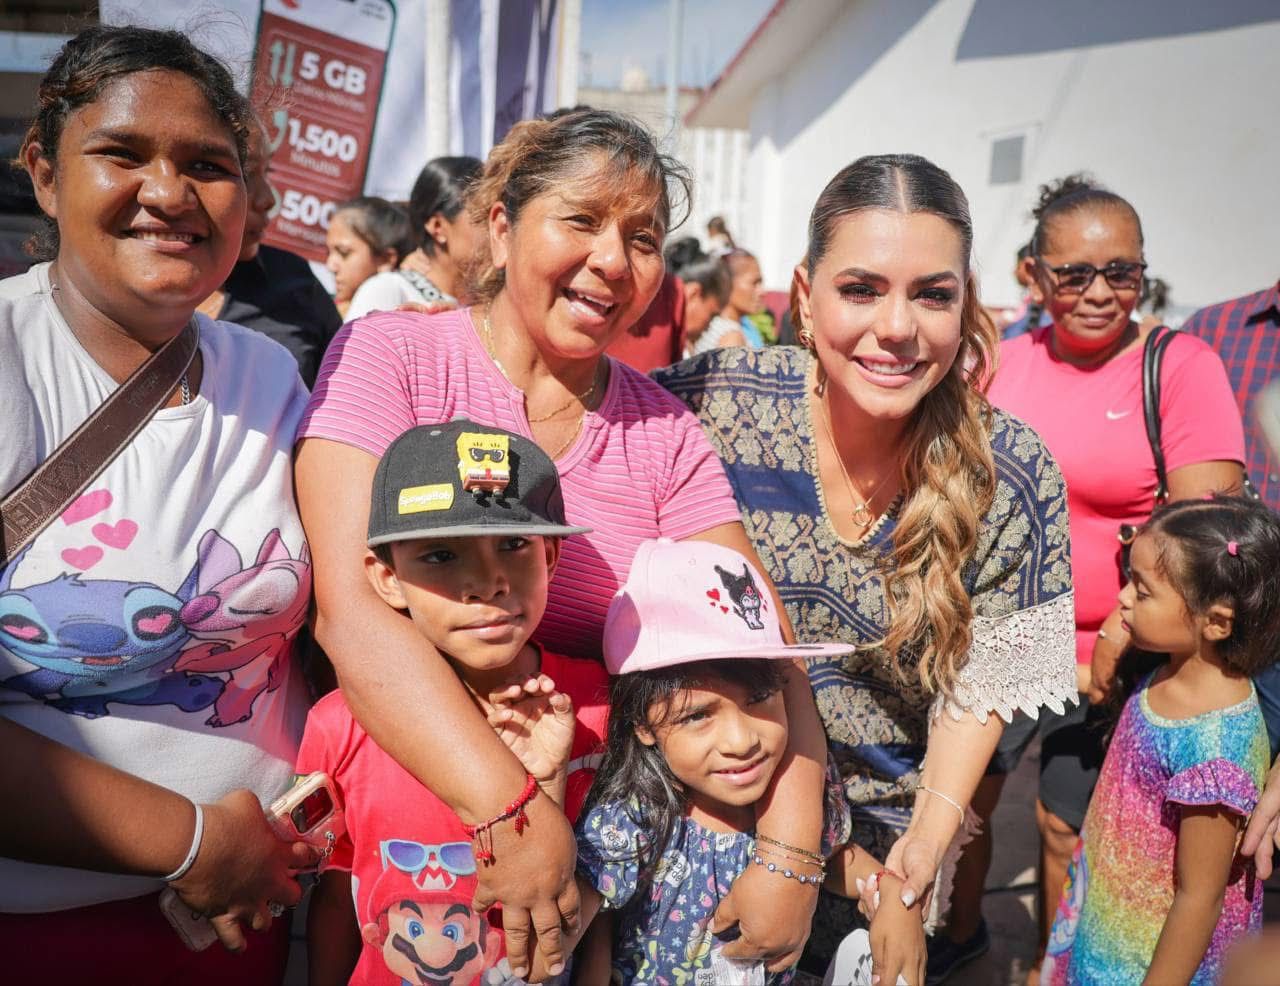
(688, 601)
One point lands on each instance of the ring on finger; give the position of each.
(274, 908)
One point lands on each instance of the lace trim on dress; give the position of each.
(1018, 662)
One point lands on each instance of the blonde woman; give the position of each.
(895, 509)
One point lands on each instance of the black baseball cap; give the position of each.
(462, 479)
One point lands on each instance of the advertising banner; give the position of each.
(342, 84)
(321, 64)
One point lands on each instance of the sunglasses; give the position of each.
(413, 857)
(1076, 278)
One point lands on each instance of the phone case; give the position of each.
(324, 832)
(194, 929)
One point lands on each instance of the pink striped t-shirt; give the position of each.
(640, 468)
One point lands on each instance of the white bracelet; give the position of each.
(196, 838)
(949, 800)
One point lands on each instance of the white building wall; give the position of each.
(717, 159)
(1183, 126)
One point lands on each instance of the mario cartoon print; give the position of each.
(484, 461)
(419, 917)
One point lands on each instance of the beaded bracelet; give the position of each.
(813, 879)
(482, 832)
(802, 853)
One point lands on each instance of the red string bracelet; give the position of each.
(482, 833)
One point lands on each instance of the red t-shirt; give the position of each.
(411, 863)
(1090, 418)
(658, 338)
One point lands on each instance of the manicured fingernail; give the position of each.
(876, 899)
(862, 887)
(556, 969)
(875, 980)
(520, 973)
(908, 898)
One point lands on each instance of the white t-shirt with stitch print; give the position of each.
(152, 624)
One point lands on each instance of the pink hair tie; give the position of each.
(1233, 548)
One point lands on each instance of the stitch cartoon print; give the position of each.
(96, 641)
(244, 619)
(221, 640)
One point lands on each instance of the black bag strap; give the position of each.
(50, 487)
(1153, 348)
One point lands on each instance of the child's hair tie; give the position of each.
(1233, 548)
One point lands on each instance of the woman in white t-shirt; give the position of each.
(434, 274)
(146, 636)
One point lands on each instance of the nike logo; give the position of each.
(1117, 415)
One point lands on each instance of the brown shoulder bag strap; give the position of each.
(49, 489)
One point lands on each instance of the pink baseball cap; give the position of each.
(688, 601)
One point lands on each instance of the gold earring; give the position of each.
(806, 340)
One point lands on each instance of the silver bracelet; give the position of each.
(196, 838)
(948, 799)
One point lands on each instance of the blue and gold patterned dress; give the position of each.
(756, 410)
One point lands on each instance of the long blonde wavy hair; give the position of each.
(948, 471)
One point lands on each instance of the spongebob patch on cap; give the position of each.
(484, 461)
(419, 499)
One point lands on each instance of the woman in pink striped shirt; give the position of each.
(576, 209)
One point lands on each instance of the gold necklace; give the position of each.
(582, 398)
(862, 515)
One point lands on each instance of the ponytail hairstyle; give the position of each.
(1073, 193)
(686, 260)
(1226, 550)
(381, 224)
(538, 156)
(100, 55)
(441, 187)
(1194, 552)
(948, 471)
(635, 774)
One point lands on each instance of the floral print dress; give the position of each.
(663, 935)
(755, 407)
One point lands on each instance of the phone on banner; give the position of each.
(318, 71)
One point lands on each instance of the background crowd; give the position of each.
(935, 505)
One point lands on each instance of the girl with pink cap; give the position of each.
(697, 728)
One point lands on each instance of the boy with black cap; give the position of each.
(464, 532)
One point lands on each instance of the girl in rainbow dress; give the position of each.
(1156, 891)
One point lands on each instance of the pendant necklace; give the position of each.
(862, 514)
(581, 398)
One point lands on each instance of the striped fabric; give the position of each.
(641, 468)
(1246, 333)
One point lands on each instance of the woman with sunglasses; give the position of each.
(1078, 383)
